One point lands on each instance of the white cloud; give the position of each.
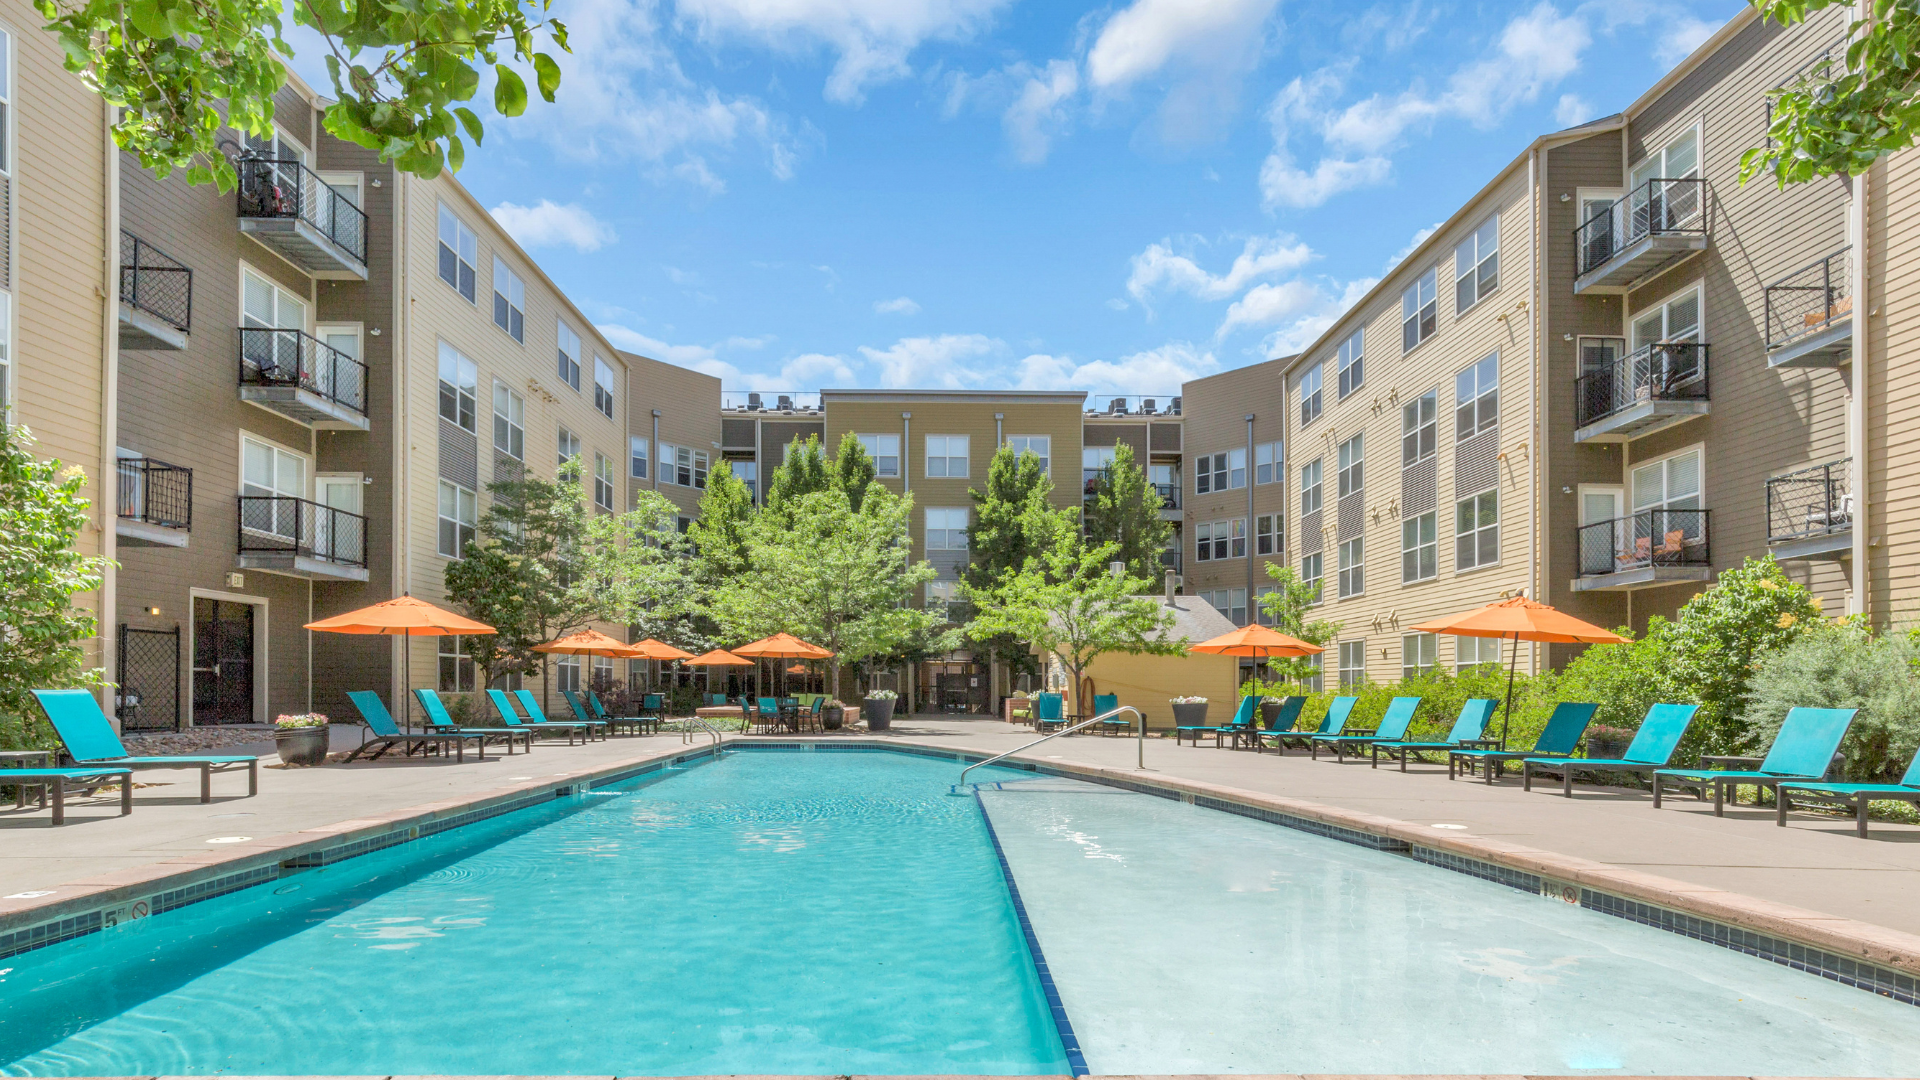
(1283, 185)
(1682, 36)
(1117, 304)
(1040, 110)
(804, 372)
(941, 363)
(1307, 327)
(547, 224)
(899, 305)
(1264, 305)
(1419, 237)
(1151, 371)
(1572, 111)
(1158, 268)
(1147, 37)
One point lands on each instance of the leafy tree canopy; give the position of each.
(802, 471)
(1290, 608)
(637, 570)
(720, 535)
(1845, 112)
(520, 571)
(1125, 511)
(853, 469)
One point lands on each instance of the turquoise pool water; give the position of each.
(765, 913)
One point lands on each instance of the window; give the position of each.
(459, 384)
(941, 595)
(1310, 487)
(1236, 469)
(1419, 654)
(602, 672)
(1419, 312)
(1224, 471)
(271, 478)
(1353, 662)
(1353, 569)
(1668, 484)
(885, 452)
(1352, 466)
(569, 446)
(1229, 602)
(1040, 446)
(1420, 547)
(1476, 397)
(1666, 205)
(1166, 482)
(1094, 463)
(1310, 395)
(748, 473)
(637, 458)
(1476, 265)
(603, 387)
(602, 481)
(1317, 681)
(459, 253)
(566, 670)
(6, 314)
(266, 306)
(1260, 613)
(509, 422)
(1311, 572)
(1419, 428)
(683, 466)
(946, 528)
(1238, 529)
(1203, 541)
(1203, 475)
(1677, 319)
(1476, 531)
(510, 305)
(1267, 463)
(458, 514)
(1352, 363)
(1474, 651)
(569, 352)
(1213, 539)
(1266, 534)
(456, 667)
(946, 455)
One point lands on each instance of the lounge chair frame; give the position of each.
(56, 781)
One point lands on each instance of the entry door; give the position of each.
(222, 662)
(337, 537)
(1602, 550)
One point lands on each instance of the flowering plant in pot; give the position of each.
(1189, 711)
(832, 715)
(301, 738)
(878, 708)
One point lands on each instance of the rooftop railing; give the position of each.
(1648, 538)
(285, 188)
(1810, 300)
(1656, 208)
(281, 357)
(1133, 405)
(283, 524)
(771, 400)
(155, 493)
(1810, 502)
(1663, 371)
(155, 283)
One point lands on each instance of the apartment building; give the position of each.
(1234, 510)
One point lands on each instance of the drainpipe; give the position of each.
(1537, 335)
(906, 451)
(1249, 531)
(653, 451)
(1857, 401)
(108, 474)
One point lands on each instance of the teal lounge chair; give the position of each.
(538, 718)
(1561, 736)
(1339, 711)
(650, 718)
(715, 701)
(1393, 728)
(503, 708)
(1243, 721)
(1854, 797)
(1282, 724)
(1467, 729)
(1104, 704)
(438, 719)
(1650, 749)
(768, 714)
(91, 743)
(387, 734)
(584, 713)
(60, 781)
(1049, 711)
(1803, 750)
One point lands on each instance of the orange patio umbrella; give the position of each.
(588, 642)
(654, 649)
(1521, 619)
(402, 616)
(1256, 641)
(717, 658)
(782, 647)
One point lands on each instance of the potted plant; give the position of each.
(1607, 742)
(1269, 710)
(878, 708)
(301, 738)
(1189, 711)
(832, 714)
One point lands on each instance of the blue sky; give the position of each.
(795, 194)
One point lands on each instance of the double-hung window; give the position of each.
(1267, 463)
(603, 387)
(1236, 468)
(569, 446)
(885, 452)
(1471, 652)
(510, 301)
(1203, 475)
(1419, 312)
(1238, 532)
(1310, 395)
(1266, 534)
(637, 458)
(1419, 654)
(1352, 465)
(1420, 547)
(458, 513)
(946, 455)
(1419, 428)
(1310, 486)
(1476, 397)
(1351, 361)
(273, 481)
(456, 667)
(1040, 446)
(1476, 531)
(569, 353)
(459, 384)
(602, 481)
(946, 528)
(683, 465)
(1312, 573)
(1353, 566)
(509, 422)
(1353, 662)
(1203, 541)
(459, 253)
(1675, 320)
(1476, 265)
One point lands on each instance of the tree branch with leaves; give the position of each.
(1843, 113)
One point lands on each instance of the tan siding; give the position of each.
(1893, 333)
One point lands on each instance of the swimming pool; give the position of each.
(834, 913)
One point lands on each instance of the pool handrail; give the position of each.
(1068, 731)
(686, 733)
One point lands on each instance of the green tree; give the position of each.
(1290, 608)
(637, 570)
(852, 469)
(519, 573)
(802, 471)
(42, 633)
(720, 534)
(1013, 521)
(1125, 512)
(1624, 680)
(1843, 113)
(1711, 649)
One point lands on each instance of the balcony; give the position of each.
(156, 297)
(1658, 386)
(290, 209)
(1810, 314)
(1810, 512)
(1643, 551)
(286, 535)
(1654, 225)
(296, 375)
(155, 503)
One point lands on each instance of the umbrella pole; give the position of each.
(1508, 718)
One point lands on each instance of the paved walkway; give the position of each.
(1815, 863)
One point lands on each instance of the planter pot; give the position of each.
(1190, 713)
(302, 746)
(1269, 712)
(879, 713)
(831, 717)
(1601, 747)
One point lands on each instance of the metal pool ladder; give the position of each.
(1067, 731)
(686, 733)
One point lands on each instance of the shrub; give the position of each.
(1624, 680)
(1442, 695)
(1710, 653)
(1846, 666)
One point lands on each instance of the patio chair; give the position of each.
(1467, 729)
(1854, 797)
(60, 781)
(1803, 750)
(503, 707)
(715, 701)
(1558, 740)
(387, 734)
(1393, 728)
(538, 716)
(440, 720)
(1282, 724)
(91, 743)
(1242, 719)
(1049, 711)
(769, 713)
(1339, 711)
(586, 714)
(1651, 748)
(1104, 704)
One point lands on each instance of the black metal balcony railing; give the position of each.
(1643, 539)
(155, 283)
(284, 188)
(1169, 496)
(287, 525)
(156, 493)
(1810, 299)
(270, 357)
(1664, 371)
(1810, 502)
(1655, 208)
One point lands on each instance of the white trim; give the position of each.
(307, 302)
(1628, 468)
(1698, 287)
(1581, 491)
(261, 666)
(240, 457)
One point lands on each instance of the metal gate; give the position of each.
(960, 692)
(148, 698)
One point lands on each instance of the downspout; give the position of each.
(1249, 530)
(109, 404)
(401, 358)
(1857, 442)
(653, 452)
(906, 486)
(1536, 333)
